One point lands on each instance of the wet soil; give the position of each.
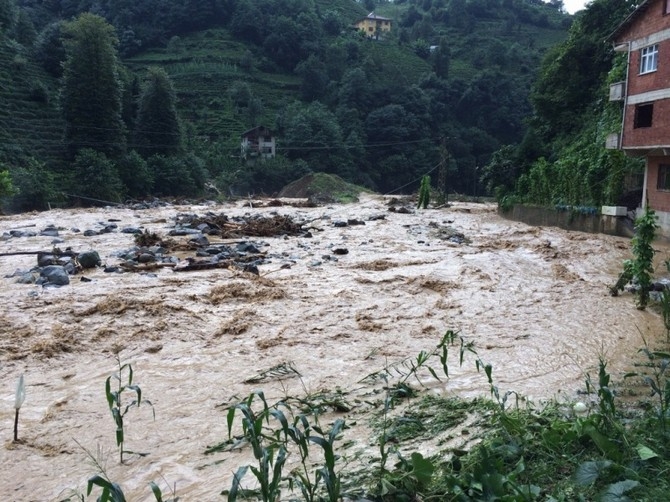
(534, 301)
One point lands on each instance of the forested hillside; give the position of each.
(452, 78)
(562, 159)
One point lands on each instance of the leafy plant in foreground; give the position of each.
(271, 446)
(491, 480)
(658, 382)
(606, 404)
(641, 267)
(665, 311)
(112, 492)
(115, 402)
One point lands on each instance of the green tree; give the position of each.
(354, 90)
(442, 59)
(572, 73)
(135, 174)
(96, 177)
(158, 129)
(313, 134)
(314, 78)
(34, 184)
(8, 15)
(24, 30)
(49, 48)
(500, 174)
(91, 92)
(177, 175)
(6, 186)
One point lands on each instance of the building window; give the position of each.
(666, 7)
(649, 59)
(663, 182)
(643, 115)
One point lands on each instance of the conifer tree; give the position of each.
(91, 93)
(158, 130)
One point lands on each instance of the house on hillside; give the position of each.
(258, 142)
(645, 36)
(373, 25)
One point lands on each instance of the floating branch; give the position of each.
(279, 372)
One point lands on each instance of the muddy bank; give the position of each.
(533, 300)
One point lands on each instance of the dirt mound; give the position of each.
(322, 187)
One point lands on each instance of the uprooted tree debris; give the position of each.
(251, 226)
(152, 255)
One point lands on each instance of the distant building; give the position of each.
(373, 25)
(645, 36)
(258, 142)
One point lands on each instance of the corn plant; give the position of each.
(116, 405)
(424, 193)
(641, 267)
(158, 494)
(270, 458)
(606, 404)
(270, 446)
(327, 473)
(408, 475)
(410, 367)
(602, 427)
(111, 492)
(665, 311)
(658, 382)
(19, 397)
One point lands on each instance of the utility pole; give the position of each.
(442, 171)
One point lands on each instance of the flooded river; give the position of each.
(533, 301)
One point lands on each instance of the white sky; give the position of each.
(573, 6)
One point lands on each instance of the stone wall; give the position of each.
(570, 220)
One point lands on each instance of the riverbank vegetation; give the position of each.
(610, 445)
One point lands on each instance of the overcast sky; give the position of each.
(573, 6)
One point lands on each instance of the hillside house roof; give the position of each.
(257, 131)
(374, 17)
(639, 10)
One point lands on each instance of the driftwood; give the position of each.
(189, 266)
(40, 253)
(182, 266)
(143, 267)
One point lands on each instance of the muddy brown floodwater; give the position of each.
(533, 300)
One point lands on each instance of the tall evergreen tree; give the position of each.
(158, 130)
(91, 92)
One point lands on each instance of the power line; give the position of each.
(85, 143)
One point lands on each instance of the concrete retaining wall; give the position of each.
(570, 220)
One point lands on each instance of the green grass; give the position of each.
(323, 186)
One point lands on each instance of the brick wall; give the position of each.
(656, 135)
(658, 200)
(659, 79)
(648, 22)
